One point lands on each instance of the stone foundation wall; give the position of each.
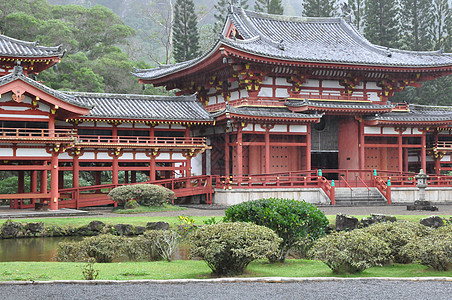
(236, 196)
(409, 195)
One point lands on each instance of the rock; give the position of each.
(11, 229)
(124, 229)
(96, 226)
(157, 226)
(422, 205)
(140, 229)
(367, 221)
(344, 222)
(432, 221)
(35, 227)
(383, 218)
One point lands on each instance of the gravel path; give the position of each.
(306, 289)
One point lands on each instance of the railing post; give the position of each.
(333, 193)
(388, 192)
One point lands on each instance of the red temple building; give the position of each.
(280, 106)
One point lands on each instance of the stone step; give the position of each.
(359, 197)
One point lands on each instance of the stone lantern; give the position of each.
(421, 203)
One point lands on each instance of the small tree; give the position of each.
(228, 248)
(292, 220)
(185, 31)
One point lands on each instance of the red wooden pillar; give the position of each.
(308, 147)
(33, 184)
(34, 181)
(152, 164)
(54, 182)
(424, 152)
(75, 172)
(400, 152)
(126, 176)
(115, 169)
(362, 147)
(226, 155)
(114, 132)
(152, 168)
(52, 125)
(437, 159)
(239, 151)
(267, 150)
(21, 182)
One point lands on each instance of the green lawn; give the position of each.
(145, 209)
(194, 269)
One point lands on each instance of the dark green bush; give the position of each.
(228, 248)
(292, 220)
(434, 250)
(103, 248)
(397, 235)
(351, 252)
(144, 194)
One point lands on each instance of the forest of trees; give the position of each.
(103, 46)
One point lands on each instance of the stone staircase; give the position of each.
(359, 197)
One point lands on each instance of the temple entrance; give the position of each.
(325, 160)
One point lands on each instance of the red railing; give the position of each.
(35, 133)
(383, 187)
(244, 102)
(444, 145)
(315, 95)
(97, 195)
(140, 140)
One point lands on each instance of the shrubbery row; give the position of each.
(152, 245)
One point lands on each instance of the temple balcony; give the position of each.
(245, 102)
(140, 142)
(326, 95)
(31, 135)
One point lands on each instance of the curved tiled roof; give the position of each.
(17, 74)
(417, 113)
(311, 40)
(17, 48)
(144, 107)
(274, 112)
(338, 105)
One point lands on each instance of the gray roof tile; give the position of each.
(17, 74)
(144, 107)
(17, 48)
(317, 40)
(273, 112)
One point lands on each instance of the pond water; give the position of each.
(44, 249)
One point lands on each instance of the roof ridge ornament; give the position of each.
(346, 13)
(18, 69)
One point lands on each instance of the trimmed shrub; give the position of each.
(152, 245)
(434, 250)
(351, 252)
(144, 194)
(292, 220)
(228, 248)
(397, 235)
(103, 248)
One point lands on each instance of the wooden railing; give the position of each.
(383, 187)
(140, 140)
(444, 145)
(97, 195)
(21, 133)
(244, 102)
(315, 95)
